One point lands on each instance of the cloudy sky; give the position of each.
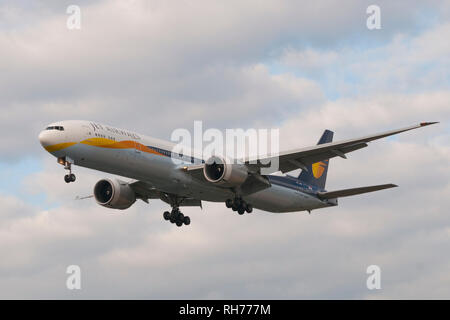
(300, 66)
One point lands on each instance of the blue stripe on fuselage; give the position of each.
(178, 156)
(293, 183)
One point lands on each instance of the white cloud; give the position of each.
(309, 59)
(408, 63)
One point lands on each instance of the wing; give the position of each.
(254, 182)
(301, 158)
(353, 191)
(146, 191)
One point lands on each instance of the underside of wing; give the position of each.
(146, 191)
(253, 183)
(195, 171)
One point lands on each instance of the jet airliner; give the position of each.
(148, 165)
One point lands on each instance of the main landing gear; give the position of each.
(175, 216)
(239, 205)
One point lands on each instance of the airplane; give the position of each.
(148, 163)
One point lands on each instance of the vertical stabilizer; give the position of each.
(317, 172)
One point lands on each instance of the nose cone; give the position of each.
(53, 138)
(45, 138)
(49, 139)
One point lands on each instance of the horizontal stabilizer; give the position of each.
(354, 191)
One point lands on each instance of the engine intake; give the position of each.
(114, 194)
(217, 170)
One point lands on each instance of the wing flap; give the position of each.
(354, 191)
(184, 202)
(146, 191)
(316, 157)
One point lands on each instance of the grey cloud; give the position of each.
(145, 62)
(207, 61)
(279, 256)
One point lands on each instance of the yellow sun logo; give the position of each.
(318, 168)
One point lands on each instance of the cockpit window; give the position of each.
(55, 128)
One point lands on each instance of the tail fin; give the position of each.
(317, 172)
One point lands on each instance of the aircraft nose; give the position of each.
(45, 138)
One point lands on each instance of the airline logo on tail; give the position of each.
(318, 168)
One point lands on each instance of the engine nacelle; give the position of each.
(114, 194)
(217, 170)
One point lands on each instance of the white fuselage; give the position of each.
(128, 154)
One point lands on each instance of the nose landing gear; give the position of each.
(68, 178)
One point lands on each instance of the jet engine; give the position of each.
(217, 170)
(114, 194)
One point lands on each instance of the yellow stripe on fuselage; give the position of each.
(59, 146)
(105, 143)
(108, 143)
(98, 142)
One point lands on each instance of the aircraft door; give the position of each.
(137, 148)
(137, 153)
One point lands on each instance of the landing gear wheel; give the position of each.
(166, 215)
(175, 216)
(67, 178)
(72, 177)
(239, 205)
